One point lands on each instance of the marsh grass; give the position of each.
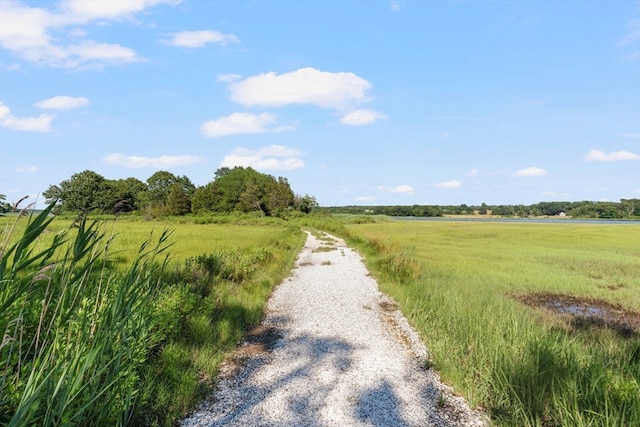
(74, 335)
(104, 325)
(525, 366)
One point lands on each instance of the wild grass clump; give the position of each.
(106, 329)
(232, 265)
(75, 335)
(524, 366)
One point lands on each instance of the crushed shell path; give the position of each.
(331, 351)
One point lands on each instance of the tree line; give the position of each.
(231, 190)
(625, 208)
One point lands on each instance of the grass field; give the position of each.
(125, 322)
(460, 283)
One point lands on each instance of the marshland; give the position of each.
(126, 321)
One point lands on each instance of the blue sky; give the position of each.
(355, 102)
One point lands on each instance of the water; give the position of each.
(580, 310)
(522, 220)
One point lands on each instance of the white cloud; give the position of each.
(200, 38)
(614, 156)
(42, 123)
(340, 91)
(228, 78)
(55, 39)
(361, 117)
(448, 184)
(395, 5)
(242, 123)
(365, 199)
(403, 189)
(26, 169)
(531, 171)
(62, 103)
(273, 157)
(473, 172)
(83, 10)
(162, 162)
(89, 52)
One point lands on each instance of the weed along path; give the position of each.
(331, 351)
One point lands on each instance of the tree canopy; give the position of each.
(626, 208)
(232, 190)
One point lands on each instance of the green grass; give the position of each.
(102, 326)
(175, 319)
(456, 281)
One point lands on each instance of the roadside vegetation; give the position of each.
(126, 322)
(124, 319)
(164, 194)
(624, 209)
(462, 286)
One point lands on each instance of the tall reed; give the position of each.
(75, 333)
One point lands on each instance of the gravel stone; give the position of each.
(339, 353)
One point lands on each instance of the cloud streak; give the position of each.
(306, 86)
(161, 162)
(448, 184)
(194, 39)
(27, 32)
(62, 103)
(273, 157)
(242, 123)
(42, 123)
(400, 189)
(614, 156)
(530, 171)
(361, 117)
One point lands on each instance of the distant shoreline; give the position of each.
(548, 220)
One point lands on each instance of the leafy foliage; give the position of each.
(626, 208)
(232, 190)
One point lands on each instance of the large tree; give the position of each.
(178, 201)
(80, 193)
(159, 187)
(244, 190)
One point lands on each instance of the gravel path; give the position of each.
(331, 351)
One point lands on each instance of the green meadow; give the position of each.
(461, 285)
(126, 321)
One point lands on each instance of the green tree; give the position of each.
(158, 188)
(178, 201)
(244, 190)
(607, 210)
(80, 193)
(280, 196)
(306, 203)
(4, 205)
(131, 193)
(252, 197)
(630, 207)
(203, 199)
